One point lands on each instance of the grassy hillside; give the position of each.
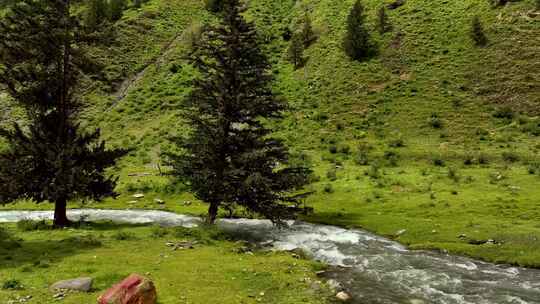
(433, 137)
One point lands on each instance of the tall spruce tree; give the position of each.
(116, 9)
(49, 158)
(477, 32)
(357, 42)
(229, 158)
(308, 35)
(295, 52)
(382, 21)
(96, 13)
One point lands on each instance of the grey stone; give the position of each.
(78, 284)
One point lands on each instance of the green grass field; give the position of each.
(215, 268)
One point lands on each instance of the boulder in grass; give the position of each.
(134, 289)
(79, 284)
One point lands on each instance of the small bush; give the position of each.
(396, 143)
(30, 225)
(12, 285)
(328, 188)
(345, 149)
(483, 159)
(331, 174)
(391, 157)
(477, 32)
(435, 121)
(333, 149)
(469, 160)
(510, 157)
(362, 156)
(438, 161)
(374, 171)
(158, 232)
(504, 113)
(453, 174)
(124, 236)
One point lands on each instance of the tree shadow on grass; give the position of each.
(43, 253)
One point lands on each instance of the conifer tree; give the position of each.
(308, 35)
(214, 6)
(229, 157)
(477, 32)
(96, 14)
(116, 9)
(295, 52)
(49, 158)
(382, 21)
(357, 43)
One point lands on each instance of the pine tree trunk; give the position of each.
(60, 214)
(212, 213)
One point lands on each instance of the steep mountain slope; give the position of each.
(433, 137)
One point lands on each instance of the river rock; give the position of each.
(159, 201)
(342, 296)
(138, 195)
(135, 289)
(79, 284)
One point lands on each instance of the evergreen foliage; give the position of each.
(308, 35)
(357, 43)
(50, 158)
(382, 21)
(96, 14)
(477, 32)
(229, 157)
(116, 9)
(214, 6)
(295, 52)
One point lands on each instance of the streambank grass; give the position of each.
(215, 271)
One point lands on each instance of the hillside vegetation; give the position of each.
(433, 141)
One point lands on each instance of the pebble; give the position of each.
(343, 296)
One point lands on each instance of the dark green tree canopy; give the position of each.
(229, 157)
(357, 42)
(49, 157)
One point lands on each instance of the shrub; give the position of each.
(453, 174)
(383, 24)
(477, 32)
(504, 113)
(30, 225)
(483, 159)
(331, 174)
(391, 157)
(469, 160)
(158, 232)
(333, 149)
(328, 188)
(510, 156)
(374, 171)
(396, 143)
(124, 236)
(438, 161)
(12, 285)
(362, 156)
(214, 6)
(435, 121)
(345, 149)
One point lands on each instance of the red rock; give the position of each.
(134, 289)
